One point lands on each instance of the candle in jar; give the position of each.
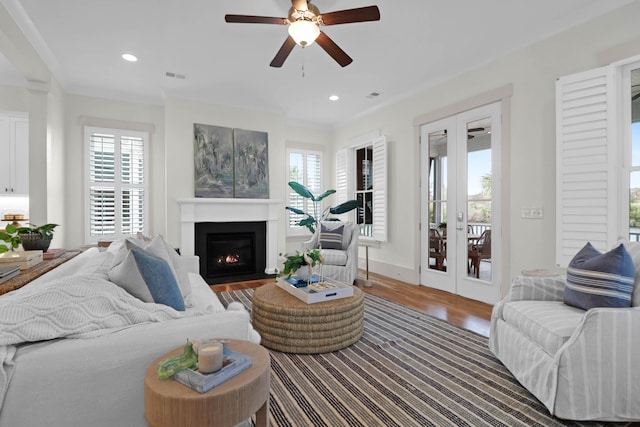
(210, 358)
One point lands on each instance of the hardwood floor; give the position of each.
(463, 312)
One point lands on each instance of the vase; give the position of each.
(35, 242)
(303, 272)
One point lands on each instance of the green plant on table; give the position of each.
(311, 221)
(294, 262)
(10, 235)
(45, 231)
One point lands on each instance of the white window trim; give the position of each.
(301, 231)
(145, 136)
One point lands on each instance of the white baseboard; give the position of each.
(404, 274)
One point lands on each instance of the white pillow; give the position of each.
(159, 247)
(126, 275)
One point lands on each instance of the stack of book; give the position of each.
(233, 364)
(7, 273)
(23, 259)
(53, 253)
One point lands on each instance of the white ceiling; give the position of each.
(416, 44)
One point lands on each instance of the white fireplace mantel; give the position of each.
(195, 210)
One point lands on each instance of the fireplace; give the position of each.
(204, 210)
(231, 251)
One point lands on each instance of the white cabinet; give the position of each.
(14, 154)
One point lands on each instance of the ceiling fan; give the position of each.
(469, 132)
(304, 21)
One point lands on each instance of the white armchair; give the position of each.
(582, 365)
(339, 264)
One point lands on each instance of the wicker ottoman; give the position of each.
(290, 325)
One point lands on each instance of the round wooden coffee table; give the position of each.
(172, 404)
(290, 325)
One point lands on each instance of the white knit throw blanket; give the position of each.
(82, 306)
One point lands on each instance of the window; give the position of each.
(631, 117)
(361, 174)
(116, 184)
(305, 167)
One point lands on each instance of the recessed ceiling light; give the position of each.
(334, 97)
(129, 57)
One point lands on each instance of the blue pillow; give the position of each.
(595, 279)
(330, 238)
(159, 278)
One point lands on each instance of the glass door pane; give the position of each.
(437, 200)
(634, 176)
(479, 198)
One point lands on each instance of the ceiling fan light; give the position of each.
(304, 32)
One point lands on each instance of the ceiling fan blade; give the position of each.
(475, 129)
(300, 5)
(248, 19)
(333, 50)
(636, 96)
(360, 14)
(283, 53)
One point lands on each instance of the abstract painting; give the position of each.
(251, 172)
(230, 163)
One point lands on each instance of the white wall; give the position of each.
(181, 114)
(56, 162)
(532, 72)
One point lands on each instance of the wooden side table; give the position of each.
(172, 404)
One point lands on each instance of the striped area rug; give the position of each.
(409, 369)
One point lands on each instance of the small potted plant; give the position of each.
(36, 237)
(295, 262)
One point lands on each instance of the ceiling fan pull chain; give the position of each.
(303, 71)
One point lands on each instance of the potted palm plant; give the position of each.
(311, 221)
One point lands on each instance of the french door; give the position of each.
(460, 203)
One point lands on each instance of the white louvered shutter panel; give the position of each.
(380, 189)
(586, 196)
(305, 167)
(344, 179)
(132, 174)
(102, 196)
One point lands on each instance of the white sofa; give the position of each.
(581, 364)
(96, 377)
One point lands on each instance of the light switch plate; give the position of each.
(532, 213)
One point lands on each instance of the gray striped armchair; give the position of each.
(581, 364)
(339, 264)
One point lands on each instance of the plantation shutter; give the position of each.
(344, 178)
(132, 179)
(116, 196)
(380, 189)
(304, 167)
(102, 193)
(586, 195)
